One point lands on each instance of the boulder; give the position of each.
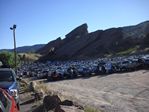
(32, 86)
(51, 102)
(58, 109)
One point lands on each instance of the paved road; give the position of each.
(125, 92)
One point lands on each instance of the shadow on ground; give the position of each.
(28, 102)
(38, 109)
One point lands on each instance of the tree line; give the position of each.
(7, 59)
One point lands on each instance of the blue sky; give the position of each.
(40, 21)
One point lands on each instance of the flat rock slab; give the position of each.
(119, 92)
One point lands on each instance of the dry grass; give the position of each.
(41, 87)
(30, 56)
(90, 109)
(23, 86)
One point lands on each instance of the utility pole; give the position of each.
(15, 52)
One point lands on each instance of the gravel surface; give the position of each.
(119, 92)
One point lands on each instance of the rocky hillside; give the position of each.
(50, 46)
(79, 43)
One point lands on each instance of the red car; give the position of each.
(7, 102)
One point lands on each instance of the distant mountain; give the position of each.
(25, 49)
(79, 44)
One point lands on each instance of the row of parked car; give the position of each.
(81, 68)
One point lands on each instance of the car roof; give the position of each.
(6, 69)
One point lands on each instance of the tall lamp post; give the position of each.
(15, 52)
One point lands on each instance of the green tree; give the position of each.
(7, 58)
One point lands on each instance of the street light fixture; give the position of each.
(15, 52)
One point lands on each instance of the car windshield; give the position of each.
(6, 76)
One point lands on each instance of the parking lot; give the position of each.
(61, 70)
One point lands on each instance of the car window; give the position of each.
(6, 76)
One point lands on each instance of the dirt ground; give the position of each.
(29, 104)
(119, 92)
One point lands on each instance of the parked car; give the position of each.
(125, 65)
(100, 68)
(7, 102)
(109, 68)
(145, 61)
(129, 65)
(71, 72)
(55, 75)
(8, 82)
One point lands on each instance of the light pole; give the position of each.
(15, 52)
